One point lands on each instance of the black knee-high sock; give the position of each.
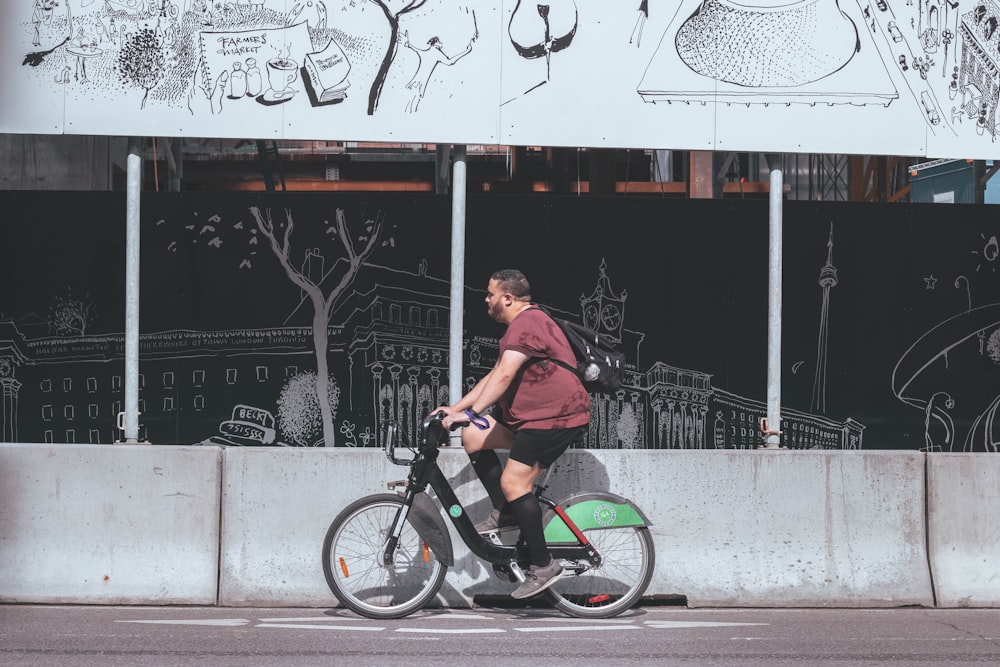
(486, 463)
(529, 518)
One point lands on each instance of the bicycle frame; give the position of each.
(425, 472)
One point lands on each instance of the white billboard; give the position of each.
(899, 77)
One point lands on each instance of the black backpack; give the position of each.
(599, 365)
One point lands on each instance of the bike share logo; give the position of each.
(604, 514)
(455, 511)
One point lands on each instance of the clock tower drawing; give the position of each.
(603, 311)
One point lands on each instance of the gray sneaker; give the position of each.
(492, 524)
(537, 579)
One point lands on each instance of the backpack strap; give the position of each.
(571, 369)
(558, 363)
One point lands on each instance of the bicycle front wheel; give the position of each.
(627, 560)
(354, 567)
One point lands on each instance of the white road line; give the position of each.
(663, 625)
(226, 622)
(566, 619)
(309, 619)
(303, 626)
(455, 631)
(448, 616)
(580, 628)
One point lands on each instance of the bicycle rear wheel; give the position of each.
(627, 560)
(352, 561)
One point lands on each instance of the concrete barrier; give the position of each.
(769, 529)
(139, 524)
(963, 528)
(732, 528)
(109, 524)
(276, 506)
(784, 528)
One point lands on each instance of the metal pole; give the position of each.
(134, 186)
(772, 426)
(456, 322)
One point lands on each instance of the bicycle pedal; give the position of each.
(516, 572)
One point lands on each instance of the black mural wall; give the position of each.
(891, 331)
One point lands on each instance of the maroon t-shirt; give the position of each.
(543, 394)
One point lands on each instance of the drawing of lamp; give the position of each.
(767, 43)
(946, 38)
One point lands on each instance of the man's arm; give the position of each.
(470, 398)
(488, 390)
(493, 386)
(466, 401)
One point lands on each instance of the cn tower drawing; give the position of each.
(827, 279)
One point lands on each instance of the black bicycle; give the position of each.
(386, 555)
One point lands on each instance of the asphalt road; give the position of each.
(60, 636)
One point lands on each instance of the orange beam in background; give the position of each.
(702, 175)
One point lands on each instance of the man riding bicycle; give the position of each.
(543, 410)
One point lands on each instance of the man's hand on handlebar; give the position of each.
(452, 418)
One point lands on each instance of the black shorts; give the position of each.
(543, 446)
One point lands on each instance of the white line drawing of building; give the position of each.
(979, 73)
(389, 355)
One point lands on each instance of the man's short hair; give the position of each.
(513, 281)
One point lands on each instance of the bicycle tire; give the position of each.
(352, 561)
(627, 562)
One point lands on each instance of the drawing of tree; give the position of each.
(359, 245)
(993, 346)
(628, 428)
(393, 16)
(299, 412)
(71, 315)
(142, 61)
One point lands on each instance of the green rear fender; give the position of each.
(592, 511)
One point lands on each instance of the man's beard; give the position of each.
(494, 311)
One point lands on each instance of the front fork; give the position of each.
(415, 483)
(389, 553)
(418, 510)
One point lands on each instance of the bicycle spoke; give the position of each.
(614, 585)
(356, 544)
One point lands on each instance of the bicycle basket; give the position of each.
(393, 436)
